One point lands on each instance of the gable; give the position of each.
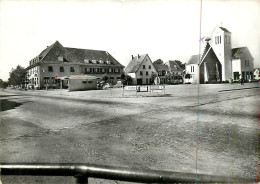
(210, 57)
(134, 64)
(53, 52)
(147, 62)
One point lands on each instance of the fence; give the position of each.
(83, 171)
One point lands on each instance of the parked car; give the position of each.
(177, 80)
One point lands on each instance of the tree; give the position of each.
(182, 65)
(3, 84)
(168, 77)
(153, 75)
(105, 78)
(122, 76)
(17, 76)
(128, 79)
(158, 61)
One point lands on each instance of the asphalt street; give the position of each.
(162, 132)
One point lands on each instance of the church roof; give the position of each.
(237, 52)
(224, 29)
(134, 64)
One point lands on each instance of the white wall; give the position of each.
(194, 74)
(223, 51)
(147, 62)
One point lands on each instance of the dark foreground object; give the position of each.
(83, 171)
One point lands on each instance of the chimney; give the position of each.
(138, 56)
(132, 57)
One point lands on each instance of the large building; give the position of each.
(219, 62)
(141, 69)
(57, 61)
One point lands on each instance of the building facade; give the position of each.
(57, 61)
(141, 69)
(219, 62)
(242, 64)
(163, 71)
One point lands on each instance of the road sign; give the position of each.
(130, 88)
(157, 81)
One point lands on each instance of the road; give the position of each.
(152, 132)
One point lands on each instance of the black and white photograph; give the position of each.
(129, 91)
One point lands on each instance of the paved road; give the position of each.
(138, 132)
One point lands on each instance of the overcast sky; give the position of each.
(165, 29)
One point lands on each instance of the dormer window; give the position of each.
(101, 61)
(60, 58)
(108, 62)
(94, 61)
(86, 60)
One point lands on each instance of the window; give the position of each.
(146, 72)
(219, 39)
(84, 82)
(91, 70)
(72, 69)
(60, 58)
(141, 73)
(143, 66)
(247, 63)
(53, 80)
(97, 70)
(46, 80)
(50, 69)
(61, 69)
(216, 42)
(90, 82)
(149, 66)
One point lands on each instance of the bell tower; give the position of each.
(221, 44)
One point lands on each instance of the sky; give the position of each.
(164, 29)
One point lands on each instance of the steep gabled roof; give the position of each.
(134, 64)
(206, 49)
(161, 67)
(194, 59)
(52, 52)
(173, 65)
(81, 54)
(237, 52)
(224, 29)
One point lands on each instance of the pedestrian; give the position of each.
(241, 80)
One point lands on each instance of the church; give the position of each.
(219, 62)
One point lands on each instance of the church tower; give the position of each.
(221, 44)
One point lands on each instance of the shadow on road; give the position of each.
(8, 105)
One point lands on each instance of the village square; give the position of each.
(123, 92)
(64, 116)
